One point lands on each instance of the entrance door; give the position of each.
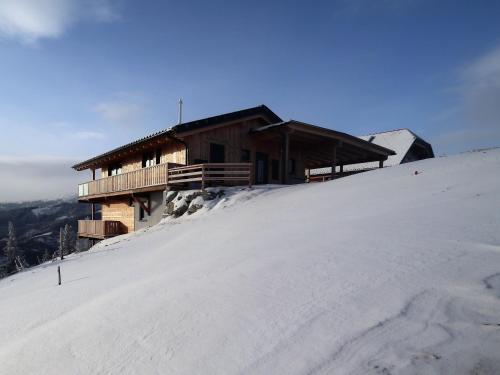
(217, 153)
(261, 168)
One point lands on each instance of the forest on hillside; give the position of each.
(37, 226)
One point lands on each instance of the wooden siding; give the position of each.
(235, 138)
(119, 211)
(172, 152)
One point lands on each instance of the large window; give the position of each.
(114, 169)
(275, 169)
(151, 158)
(148, 159)
(158, 156)
(245, 156)
(291, 166)
(217, 153)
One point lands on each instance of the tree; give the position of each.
(14, 255)
(46, 256)
(66, 241)
(11, 250)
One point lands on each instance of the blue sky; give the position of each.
(79, 77)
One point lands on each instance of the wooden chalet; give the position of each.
(251, 146)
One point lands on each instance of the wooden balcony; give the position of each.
(212, 173)
(162, 175)
(99, 229)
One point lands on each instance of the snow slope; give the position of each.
(385, 272)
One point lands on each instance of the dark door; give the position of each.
(261, 168)
(217, 153)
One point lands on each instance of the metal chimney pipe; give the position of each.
(180, 111)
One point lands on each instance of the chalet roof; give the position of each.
(332, 134)
(185, 127)
(399, 140)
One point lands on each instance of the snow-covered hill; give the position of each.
(385, 272)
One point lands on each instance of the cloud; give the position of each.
(480, 88)
(30, 20)
(84, 135)
(124, 109)
(37, 177)
(475, 114)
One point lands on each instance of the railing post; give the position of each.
(166, 174)
(249, 168)
(203, 177)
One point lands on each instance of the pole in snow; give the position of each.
(59, 274)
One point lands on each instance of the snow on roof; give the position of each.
(399, 140)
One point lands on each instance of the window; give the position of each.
(291, 166)
(275, 169)
(148, 159)
(217, 153)
(245, 156)
(114, 169)
(158, 156)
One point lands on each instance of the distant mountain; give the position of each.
(37, 224)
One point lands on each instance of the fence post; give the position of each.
(59, 274)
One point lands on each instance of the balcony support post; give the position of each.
(141, 203)
(92, 215)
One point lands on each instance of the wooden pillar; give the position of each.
(334, 161)
(308, 174)
(381, 164)
(92, 216)
(341, 169)
(286, 157)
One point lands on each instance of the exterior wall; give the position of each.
(157, 209)
(172, 152)
(418, 151)
(235, 137)
(119, 210)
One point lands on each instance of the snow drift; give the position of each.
(385, 272)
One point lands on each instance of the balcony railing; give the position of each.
(168, 174)
(208, 173)
(99, 228)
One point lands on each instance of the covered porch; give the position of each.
(318, 147)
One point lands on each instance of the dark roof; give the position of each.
(334, 133)
(188, 126)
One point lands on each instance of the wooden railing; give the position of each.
(319, 178)
(211, 172)
(167, 174)
(98, 228)
(141, 178)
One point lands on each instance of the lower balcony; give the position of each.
(99, 229)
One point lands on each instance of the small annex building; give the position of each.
(407, 146)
